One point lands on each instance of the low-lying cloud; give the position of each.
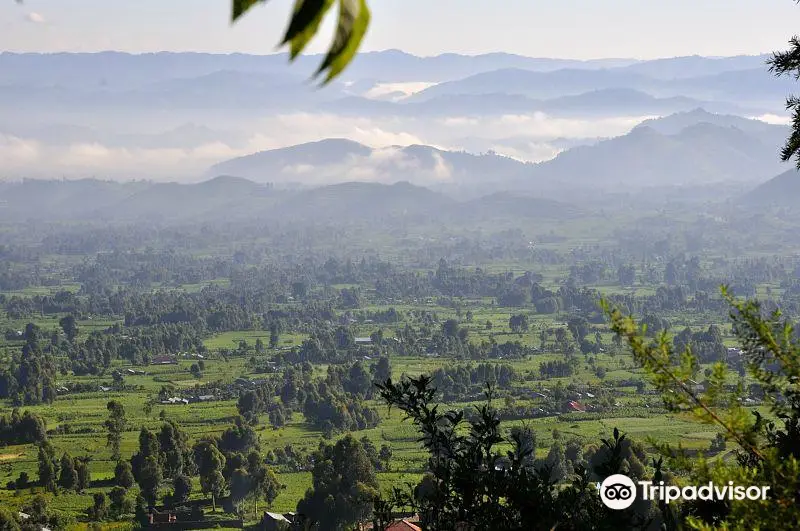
(383, 165)
(527, 137)
(35, 18)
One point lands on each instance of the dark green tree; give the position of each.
(181, 488)
(344, 486)
(68, 477)
(48, 471)
(115, 424)
(264, 485)
(120, 503)
(240, 486)
(7, 520)
(99, 509)
(210, 463)
(84, 475)
(69, 326)
(123, 476)
(174, 449)
(149, 479)
(787, 63)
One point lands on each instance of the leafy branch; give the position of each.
(669, 372)
(307, 16)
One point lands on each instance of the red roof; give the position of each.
(402, 525)
(576, 406)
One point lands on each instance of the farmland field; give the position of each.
(277, 356)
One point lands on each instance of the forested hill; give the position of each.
(233, 198)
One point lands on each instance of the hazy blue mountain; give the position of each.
(229, 198)
(62, 200)
(339, 160)
(750, 87)
(540, 85)
(358, 201)
(124, 70)
(222, 89)
(595, 103)
(768, 134)
(695, 66)
(701, 153)
(780, 191)
(517, 205)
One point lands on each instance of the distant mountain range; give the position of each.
(229, 199)
(168, 116)
(749, 87)
(695, 147)
(115, 69)
(605, 102)
(238, 81)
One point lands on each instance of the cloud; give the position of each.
(773, 119)
(385, 165)
(111, 153)
(395, 91)
(34, 17)
(17, 152)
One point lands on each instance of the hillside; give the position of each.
(337, 160)
(227, 199)
(700, 153)
(780, 191)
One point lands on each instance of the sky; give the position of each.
(581, 29)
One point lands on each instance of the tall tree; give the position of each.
(174, 449)
(782, 64)
(84, 475)
(69, 326)
(47, 466)
(123, 476)
(263, 482)
(241, 483)
(68, 477)
(181, 488)
(149, 479)
(210, 463)
(344, 486)
(115, 424)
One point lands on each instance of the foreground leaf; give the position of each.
(354, 17)
(240, 7)
(305, 22)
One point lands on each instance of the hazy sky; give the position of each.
(552, 28)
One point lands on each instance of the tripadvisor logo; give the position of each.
(619, 492)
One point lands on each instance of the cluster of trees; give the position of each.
(332, 404)
(30, 376)
(25, 428)
(466, 381)
(38, 515)
(707, 344)
(229, 467)
(332, 411)
(558, 368)
(67, 472)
